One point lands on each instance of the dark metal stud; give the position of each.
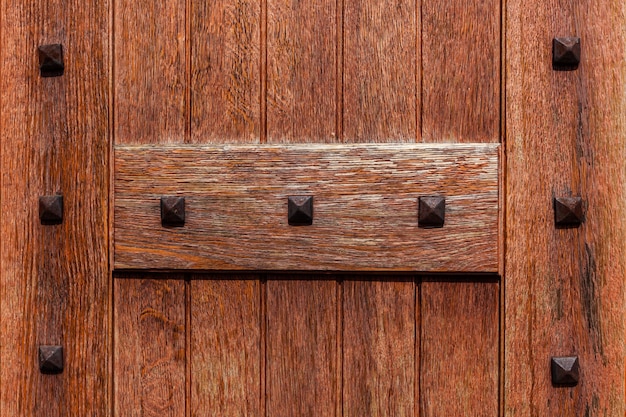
(565, 371)
(173, 211)
(300, 210)
(51, 209)
(565, 53)
(51, 60)
(431, 212)
(568, 211)
(51, 359)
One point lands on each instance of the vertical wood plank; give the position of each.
(54, 279)
(459, 337)
(301, 347)
(566, 136)
(150, 71)
(226, 342)
(379, 348)
(301, 73)
(225, 80)
(149, 356)
(380, 71)
(461, 71)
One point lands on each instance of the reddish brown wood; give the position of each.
(150, 71)
(461, 71)
(53, 278)
(150, 352)
(302, 355)
(365, 207)
(380, 71)
(565, 288)
(459, 338)
(225, 81)
(379, 348)
(301, 71)
(226, 343)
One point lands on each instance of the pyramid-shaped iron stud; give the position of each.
(431, 211)
(51, 359)
(51, 60)
(300, 210)
(565, 53)
(173, 211)
(51, 209)
(565, 371)
(568, 211)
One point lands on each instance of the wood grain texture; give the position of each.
(459, 356)
(301, 347)
(301, 71)
(380, 71)
(365, 207)
(226, 346)
(379, 348)
(225, 83)
(461, 71)
(150, 71)
(149, 357)
(53, 279)
(566, 135)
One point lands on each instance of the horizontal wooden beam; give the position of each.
(365, 207)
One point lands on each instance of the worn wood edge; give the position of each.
(121, 149)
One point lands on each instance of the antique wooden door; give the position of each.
(312, 208)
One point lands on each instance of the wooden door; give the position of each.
(366, 107)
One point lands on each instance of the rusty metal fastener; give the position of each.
(51, 60)
(173, 211)
(300, 210)
(565, 53)
(51, 209)
(565, 371)
(51, 359)
(568, 212)
(431, 211)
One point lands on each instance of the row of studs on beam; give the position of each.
(565, 56)
(568, 211)
(564, 370)
(51, 207)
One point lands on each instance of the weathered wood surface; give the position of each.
(459, 371)
(53, 282)
(150, 347)
(225, 346)
(150, 71)
(365, 207)
(566, 136)
(379, 355)
(380, 71)
(461, 71)
(301, 70)
(302, 354)
(225, 67)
